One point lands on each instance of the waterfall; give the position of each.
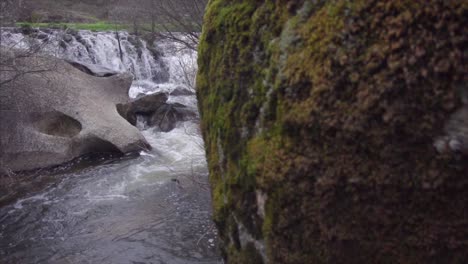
(159, 66)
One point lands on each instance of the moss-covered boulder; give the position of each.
(323, 121)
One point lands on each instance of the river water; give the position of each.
(151, 208)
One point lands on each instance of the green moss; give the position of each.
(249, 255)
(312, 103)
(219, 203)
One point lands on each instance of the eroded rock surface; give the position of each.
(52, 112)
(319, 119)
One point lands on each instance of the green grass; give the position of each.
(98, 26)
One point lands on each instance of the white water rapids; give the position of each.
(154, 208)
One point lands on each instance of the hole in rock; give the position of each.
(95, 145)
(56, 124)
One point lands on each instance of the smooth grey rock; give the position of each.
(148, 104)
(92, 69)
(43, 36)
(57, 113)
(182, 91)
(167, 116)
(156, 112)
(67, 38)
(145, 106)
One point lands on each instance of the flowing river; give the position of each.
(151, 208)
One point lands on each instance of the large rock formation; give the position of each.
(334, 132)
(52, 112)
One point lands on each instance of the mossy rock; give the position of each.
(319, 119)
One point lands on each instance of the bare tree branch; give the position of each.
(161, 18)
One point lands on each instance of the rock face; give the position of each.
(94, 70)
(156, 112)
(167, 116)
(320, 118)
(145, 105)
(54, 112)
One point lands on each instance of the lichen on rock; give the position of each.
(330, 110)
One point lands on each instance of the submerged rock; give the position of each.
(329, 110)
(53, 112)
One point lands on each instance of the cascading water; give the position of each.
(154, 208)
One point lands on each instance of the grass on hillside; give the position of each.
(98, 26)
